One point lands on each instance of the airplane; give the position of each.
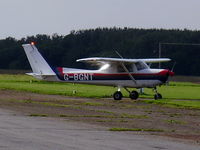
(117, 72)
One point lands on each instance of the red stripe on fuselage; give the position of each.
(161, 73)
(60, 70)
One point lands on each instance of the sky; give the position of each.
(22, 18)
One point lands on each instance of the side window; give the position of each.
(120, 69)
(128, 66)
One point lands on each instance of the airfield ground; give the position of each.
(128, 115)
(178, 118)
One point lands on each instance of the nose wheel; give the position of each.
(157, 95)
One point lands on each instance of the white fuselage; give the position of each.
(143, 78)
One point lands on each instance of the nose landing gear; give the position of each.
(157, 95)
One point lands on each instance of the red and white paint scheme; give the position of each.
(118, 72)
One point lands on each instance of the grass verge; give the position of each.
(175, 90)
(136, 129)
(192, 104)
(38, 115)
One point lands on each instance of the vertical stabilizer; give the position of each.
(37, 62)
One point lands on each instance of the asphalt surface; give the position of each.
(18, 132)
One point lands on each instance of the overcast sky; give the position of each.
(21, 18)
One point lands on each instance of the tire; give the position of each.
(134, 95)
(157, 96)
(117, 95)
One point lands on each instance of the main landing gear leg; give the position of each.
(157, 95)
(118, 94)
(133, 94)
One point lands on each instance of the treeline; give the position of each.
(103, 42)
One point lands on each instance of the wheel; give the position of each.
(134, 95)
(117, 95)
(157, 96)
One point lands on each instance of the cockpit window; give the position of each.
(141, 66)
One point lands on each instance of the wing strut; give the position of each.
(124, 67)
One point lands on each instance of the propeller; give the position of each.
(173, 66)
(170, 72)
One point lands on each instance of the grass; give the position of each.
(103, 116)
(38, 115)
(176, 90)
(74, 116)
(87, 116)
(29, 84)
(136, 129)
(175, 122)
(193, 104)
(91, 104)
(124, 115)
(104, 111)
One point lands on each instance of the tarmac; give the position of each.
(19, 132)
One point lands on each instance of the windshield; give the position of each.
(141, 66)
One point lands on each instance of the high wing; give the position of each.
(100, 60)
